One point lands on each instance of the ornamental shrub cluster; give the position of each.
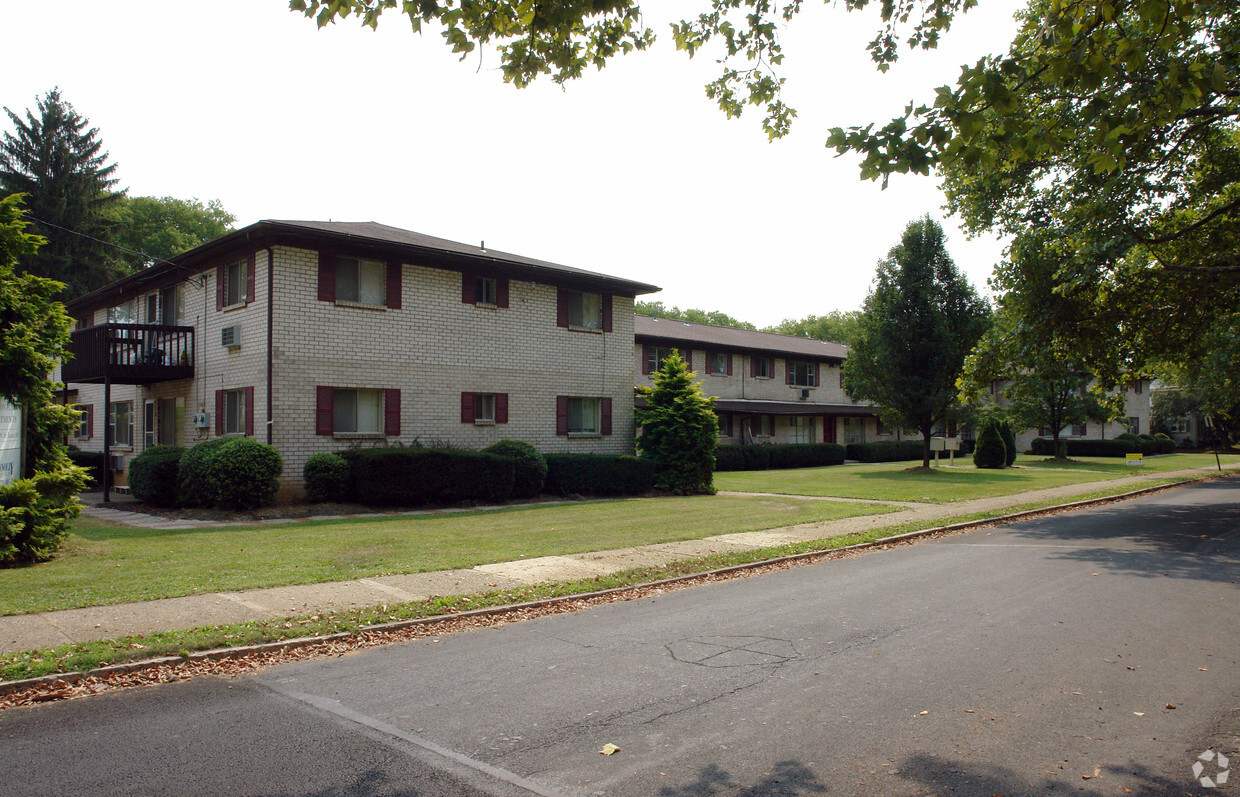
(530, 467)
(412, 476)
(766, 457)
(327, 478)
(886, 451)
(1120, 446)
(153, 475)
(596, 474)
(35, 514)
(232, 473)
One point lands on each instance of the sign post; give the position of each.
(12, 441)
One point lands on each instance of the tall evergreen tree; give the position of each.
(56, 159)
(919, 322)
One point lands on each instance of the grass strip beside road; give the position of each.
(86, 656)
(106, 563)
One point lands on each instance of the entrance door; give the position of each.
(170, 414)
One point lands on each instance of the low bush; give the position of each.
(793, 455)
(92, 461)
(1166, 444)
(414, 476)
(35, 514)
(886, 451)
(598, 474)
(244, 474)
(326, 477)
(1119, 447)
(530, 466)
(1009, 442)
(153, 475)
(194, 486)
(990, 452)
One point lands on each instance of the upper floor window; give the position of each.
(484, 409)
(126, 313)
(802, 374)
(762, 367)
(361, 281)
(654, 357)
(486, 291)
(719, 363)
(583, 310)
(235, 278)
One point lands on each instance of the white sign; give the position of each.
(10, 441)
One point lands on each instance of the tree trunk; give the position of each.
(925, 448)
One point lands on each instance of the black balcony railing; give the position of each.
(130, 354)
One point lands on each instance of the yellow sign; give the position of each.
(1135, 459)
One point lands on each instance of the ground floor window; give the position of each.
(801, 429)
(357, 411)
(120, 423)
(854, 431)
(583, 415)
(763, 426)
(234, 412)
(1180, 425)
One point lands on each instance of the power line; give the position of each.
(155, 261)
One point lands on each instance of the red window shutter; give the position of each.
(501, 292)
(219, 287)
(817, 374)
(391, 295)
(391, 412)
(219, 412)
(1081, 430)
(327, 281)
(501, 408)
(605, 415)
(561, 414)
(606, 307)
(249, 411)
(469, 289)
(687, 356)
(249, 278)
(646, 358)
(324, 419)
(787, 372)
(729, 372)
(467, 407)
(561, 308)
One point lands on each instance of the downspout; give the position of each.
(270, 326)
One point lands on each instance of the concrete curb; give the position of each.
(8, 687)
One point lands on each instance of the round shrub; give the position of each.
(243, 474)
(989, 451)
(194, 487)
(530, 466)
(327, 478)
(153, 475)
(1009, 442)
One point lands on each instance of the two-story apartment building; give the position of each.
(769, 388)
(1136, 418)
(317, 336)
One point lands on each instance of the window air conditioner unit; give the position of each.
(230, 336)
(116, 463)
(804, 393)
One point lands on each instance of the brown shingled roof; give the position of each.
(668, 330)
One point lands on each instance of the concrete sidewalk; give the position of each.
(49, 629)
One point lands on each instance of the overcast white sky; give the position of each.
(630, 171)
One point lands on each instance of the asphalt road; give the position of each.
(1093, 653)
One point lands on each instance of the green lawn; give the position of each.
(893, 481)
(1157, 464)
(104, 563)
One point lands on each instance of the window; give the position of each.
(854, 430)
(171, 413)
(120, 423)
(1080, 431)
(484, 409)
(762, 426)
(718, 363)
(582, 415)
(86, 422)
(580, 310)
(152, 308)
(357, 411)
(235, 278)
(234, 412)
(762, 367)
(801, 429)
(1134, 425)
(655, 355)
(1180, 425)
(802, 374)
(487, 290)
(881, 428)
(365, 411)
(125, 313)
(360, 281)
(148, 424)
(725, 425)
(170, 306)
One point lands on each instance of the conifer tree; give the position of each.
(679, 430)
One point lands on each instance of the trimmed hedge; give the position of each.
(886, 451)
(326, 477)
(530, 466)
(244, 474)
(598, 474)
(93, 462)
(153, 475)
(1045, 447)
(194, 486)
(763, 457)
(416, 476)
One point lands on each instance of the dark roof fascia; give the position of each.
(785, 353)
(761, 407)
(266, 233)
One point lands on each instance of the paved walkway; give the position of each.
(49, 629)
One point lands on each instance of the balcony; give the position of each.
(130, 354)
